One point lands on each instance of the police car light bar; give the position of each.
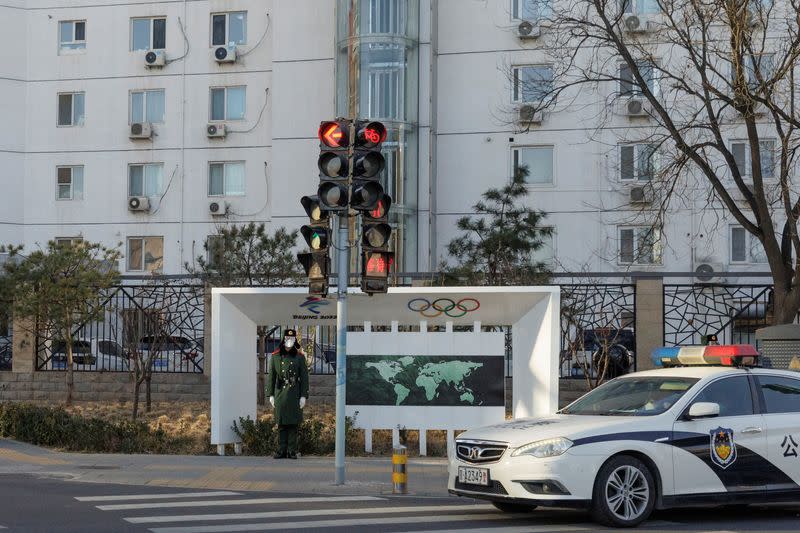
(722, 355)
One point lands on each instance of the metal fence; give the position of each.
(159, 323)
(732, 312)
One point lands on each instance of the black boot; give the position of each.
(292, 455)
(279, 455)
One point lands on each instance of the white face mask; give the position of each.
(289, 343)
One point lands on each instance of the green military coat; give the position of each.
(288, 382)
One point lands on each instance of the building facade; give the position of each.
(103, 145)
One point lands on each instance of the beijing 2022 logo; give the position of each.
(443, 306)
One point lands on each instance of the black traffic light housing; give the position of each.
(376, 259)
(375, 269)
(317, 235)
(318, 268)
(334, 164)
(368, 163)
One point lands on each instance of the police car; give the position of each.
(707, 428)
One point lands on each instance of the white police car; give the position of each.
(706, 430)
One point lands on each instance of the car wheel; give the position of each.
(624, 493)
(507, 507)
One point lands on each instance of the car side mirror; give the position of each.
(703, 410)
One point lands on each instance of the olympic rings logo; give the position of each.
(444, 306)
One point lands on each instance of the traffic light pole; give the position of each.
(343, 279)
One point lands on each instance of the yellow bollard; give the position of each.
(399, 474)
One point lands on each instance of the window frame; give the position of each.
(225, 178)
(748, 171)
(748, 246)
(636, 178)
(516, 91)
(516, 10)
(225, 102)
(759, 393)
(634, 11)
(150, 40)
(68, 49)
(515, 149)
(144, 183)
(210, 256)
(636, 251)
(68, 240)
(754, 397)
(72, 196)
(636, 91)
(73, 123)
(553, 248)
(146, 93)
(143, 240)
(227, 15)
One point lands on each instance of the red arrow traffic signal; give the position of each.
(334, 134)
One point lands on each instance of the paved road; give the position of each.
(36, 503)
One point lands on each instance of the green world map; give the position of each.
(425, 380)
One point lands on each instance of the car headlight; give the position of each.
(544, 448)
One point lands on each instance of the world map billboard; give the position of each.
(426, 380)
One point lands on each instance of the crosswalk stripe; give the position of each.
(277, 526)
(306, 512)
(124, 497)
(220, 503)
(515, 529)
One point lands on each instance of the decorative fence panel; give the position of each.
(732, 312)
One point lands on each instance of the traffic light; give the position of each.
(333, 163)
(376, 259)
(368, 163)
(317, 235)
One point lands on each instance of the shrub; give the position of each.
(55, 427)
(315, 436)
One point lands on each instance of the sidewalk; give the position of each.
(365, 476)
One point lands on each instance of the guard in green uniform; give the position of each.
(287, 388)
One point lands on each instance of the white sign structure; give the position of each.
(533, 313)
(425, 343)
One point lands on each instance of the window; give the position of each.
(148, 34)
(781, 394)
(755, 65)
(640, 7)
(537, 161)
(732, 394)
(147, 106)
(228, 103)
(146, 179)
(215, 246)
(547, 253)
(531, 9)
(385, 91)
(745, 247)
(72, 34)
(640, 246)
(744, 161)
(229, 28)
(384, 16)
(226, 179)
(68, 241)
(629, 87)
(69, 183)
(532, 83)
(635, 396)
(637, 162)
(145, 254)
(71, 109)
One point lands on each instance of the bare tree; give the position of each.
(690, 76)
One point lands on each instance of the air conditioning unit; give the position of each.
(225, 54)
(217, 131)
(709, 272)
(528, 114)
(529, 30)
(636, 107)
(636, 24)
(139, 203)
(141, 130)
(641, 195)
(155, 58)
(218, 209)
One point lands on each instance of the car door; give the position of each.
(780, 396)
(726, 453)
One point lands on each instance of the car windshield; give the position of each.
(645, 396)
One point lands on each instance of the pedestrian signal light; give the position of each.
(375, 271)
(317, 268)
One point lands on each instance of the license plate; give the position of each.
(473, 476)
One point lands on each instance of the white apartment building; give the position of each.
(76, 91)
